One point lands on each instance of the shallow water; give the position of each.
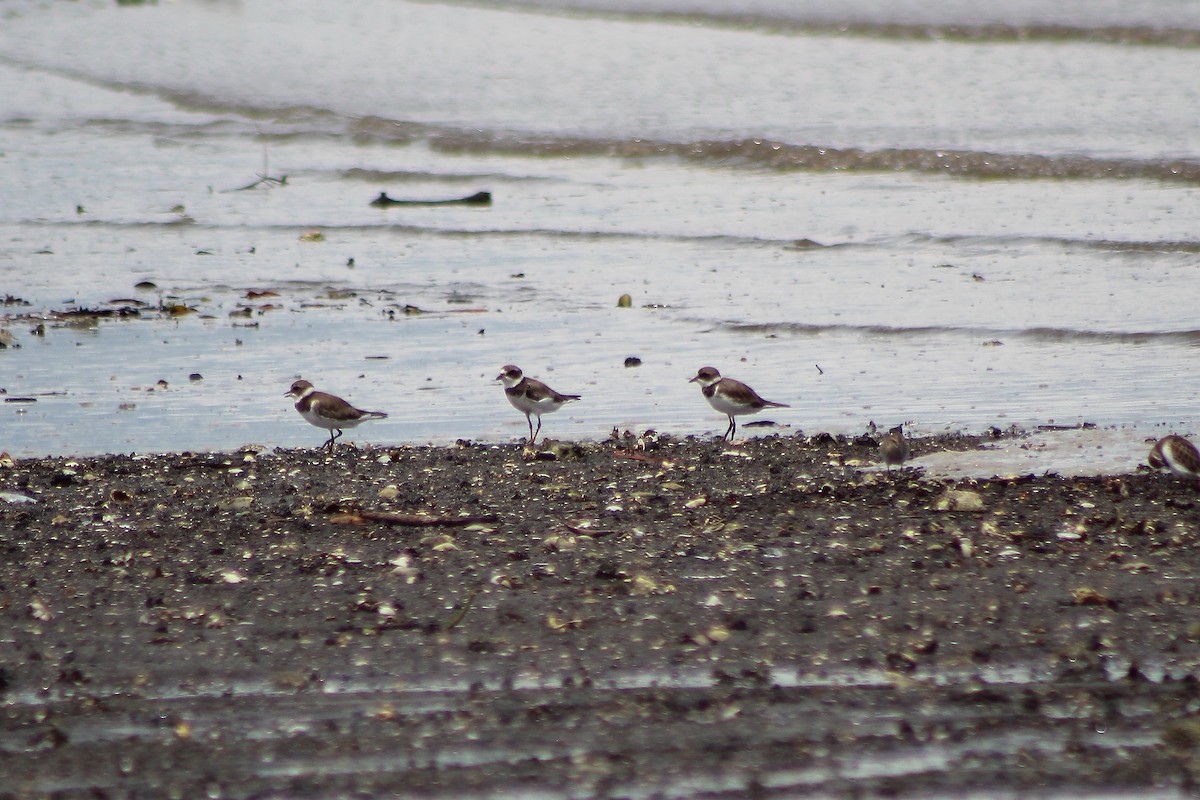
(870, 226)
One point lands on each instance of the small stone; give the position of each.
(235, 503)
(1086, 596)
(717, 633)
(959, 500)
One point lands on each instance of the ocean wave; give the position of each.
(748, 153)
(880, 22)
(475, 228)
(787, 157)
(1164, 247)
(443, 230)
(987, 336)
(215, 117)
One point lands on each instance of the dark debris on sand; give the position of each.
(643, 617)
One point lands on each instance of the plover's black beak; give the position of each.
(693, 380)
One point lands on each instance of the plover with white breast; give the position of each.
(1176, 454)
(531, 397)
(732, 398)
(328, 411)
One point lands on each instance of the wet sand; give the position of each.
(642, 617)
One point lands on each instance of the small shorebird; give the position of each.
(531, 397)
(893, 447)
(1176, 454)
(328, 411)
(730, 397)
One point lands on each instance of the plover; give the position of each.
(531, 397)
(328, 411)
(893, 447)
(1176, 454)
(730, 397)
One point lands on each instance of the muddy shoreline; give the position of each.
(643, 617)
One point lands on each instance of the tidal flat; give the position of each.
(648, 616)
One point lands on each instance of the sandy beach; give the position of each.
(973, 220)
(775, 187)
(642, 617)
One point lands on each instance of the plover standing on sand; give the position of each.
(732, 398)
(531, 397)
(328, 411)
(893, 447)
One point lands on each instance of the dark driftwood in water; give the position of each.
(477, 199)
